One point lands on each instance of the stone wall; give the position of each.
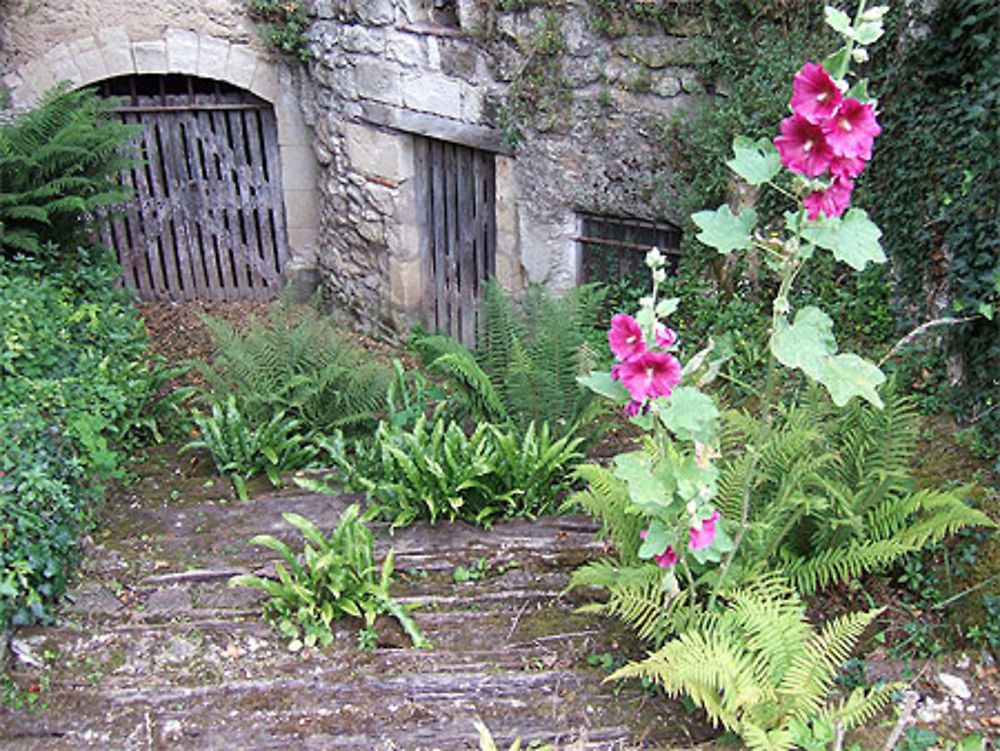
(384, 71)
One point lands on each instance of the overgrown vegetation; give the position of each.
(936, 193)
(76, 382)
(283, 26)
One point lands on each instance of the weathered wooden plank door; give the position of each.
(458, 202)
(206, 220)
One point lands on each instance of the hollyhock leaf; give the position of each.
(691, 479)
(600, 382)
(755, 161)
(806, 343)
(849, 375)
(854, 238)
(838, 63)
(868, 32)
(836, 19)
(706, 555)
(859, 91)
(667, 307)
(725, 231)
(658, 538)
(649, 488)
(690, 415)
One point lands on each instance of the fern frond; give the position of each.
(813, 573)
(606, 498)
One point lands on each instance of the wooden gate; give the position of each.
(206, 221)
(458, 199)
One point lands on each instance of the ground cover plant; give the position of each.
(334, 577)
(76, 381)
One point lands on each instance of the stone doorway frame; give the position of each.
(111, 52)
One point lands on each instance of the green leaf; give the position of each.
(868, 32)
(755, 161)
(848, 375)
(725, 231)
(600, 382)
(838, 63)
(836, 19)
(690, 415)
(853, 238)
(806, 343)
(658, 537)
(648, 488)
(667, 307)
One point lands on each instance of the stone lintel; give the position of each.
(434, 126)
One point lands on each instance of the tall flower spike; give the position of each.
(852, 130)
(803, 147)
(815, 95)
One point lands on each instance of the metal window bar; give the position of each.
(614, 249)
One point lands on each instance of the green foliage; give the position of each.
(829, 496)
(527, 358)
(59, 162)
(242, 449)
(760, 669)
(296, 363)
(436, 471)
(937, 186)
(79, 355)
(44, 502)
(284, 26)
(334, 576)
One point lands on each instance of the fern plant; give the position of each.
(299, 364)
(832, 496)
(526, 361)
(59, 163)
(335, 577)
(760, 669)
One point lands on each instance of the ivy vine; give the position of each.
(937, 189)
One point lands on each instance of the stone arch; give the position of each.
(111, 52)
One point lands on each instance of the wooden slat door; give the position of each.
(206, 221)
(458, 200)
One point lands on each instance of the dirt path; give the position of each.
(155, 651)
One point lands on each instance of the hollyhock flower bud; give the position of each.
(851, 131)
(667, 558)
(803, 147)
(702, 537)
(650, 374)
(625, 337)
(665, 337)
(832, 202)
(815, 96)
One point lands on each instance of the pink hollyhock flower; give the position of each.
(702, 536)
(650, 374)
(832, 202)
(665, 337)
(815, 96)
(852, 130)
(803, 147)
(667, 558)
(846, 166)
(625, 337)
